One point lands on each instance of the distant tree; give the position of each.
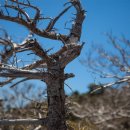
(95, 89)
(49, 67)
(111, 62)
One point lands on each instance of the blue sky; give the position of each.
(102, 16)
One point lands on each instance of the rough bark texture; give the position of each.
(56, 99)
(55, 89)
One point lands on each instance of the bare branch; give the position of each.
(6, 122)
(113, 64)
(38, 127)
(15, 73)
(123, 80)
(53, 21)
(6, 82)
(80, 15)
(37, 16)
(121, 50)
(29, 22)
(69, 55)
(39, 63)
(19, 82)
(19, 11)
(37, 49)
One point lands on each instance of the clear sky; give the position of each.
(102, 16)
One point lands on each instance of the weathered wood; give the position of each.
(53, 64)
(56, 99)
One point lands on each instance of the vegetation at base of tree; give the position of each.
(108, 110)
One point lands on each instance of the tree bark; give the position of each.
(56, 99)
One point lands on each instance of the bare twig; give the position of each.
(19, 82)
(53, 21)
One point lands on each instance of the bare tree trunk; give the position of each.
(56, 100)
(55, 63)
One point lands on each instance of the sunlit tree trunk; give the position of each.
(56, 99)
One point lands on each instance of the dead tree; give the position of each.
(112, 62)
(50, 67)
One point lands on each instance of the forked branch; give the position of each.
(24, 19)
